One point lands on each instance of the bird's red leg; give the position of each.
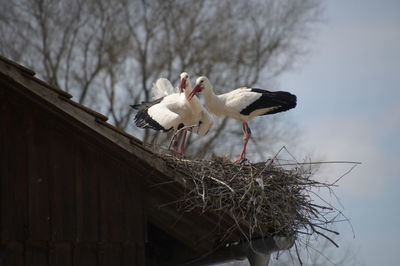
(246, 137)
(183, 142)
(175, 144)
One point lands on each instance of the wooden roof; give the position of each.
(199, 231)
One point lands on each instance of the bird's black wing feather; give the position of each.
(282, 100)
(143, 119)
(146, 105)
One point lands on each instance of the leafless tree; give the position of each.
(107, 53)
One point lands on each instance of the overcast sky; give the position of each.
(349, 109)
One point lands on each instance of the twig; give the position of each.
(298, 254)
(222, 183)
(270, 161)
(322, 234)
(176, 134)
(351, 169)
(327, 162)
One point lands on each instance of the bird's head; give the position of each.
(201, 83)
(184, 81)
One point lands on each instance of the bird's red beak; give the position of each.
(183, 85)
(194, 91)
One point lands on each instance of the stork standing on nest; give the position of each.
(244, 104)
(201, 117)
(173, 111)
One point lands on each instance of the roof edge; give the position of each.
(22, 68)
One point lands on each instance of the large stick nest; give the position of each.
(264, 198)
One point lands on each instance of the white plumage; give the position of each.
(201, 117)
(244, 104)
(162, 88)
(173, 111)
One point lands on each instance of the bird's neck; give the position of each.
(212, 102)
(188, 90)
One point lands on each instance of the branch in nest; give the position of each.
(222, 183)
(177, 132)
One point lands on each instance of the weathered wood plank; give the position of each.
(133, 207)
(36, 253)
(38, 169)
(129, 254)
(133, 254)
(87, 193)
(6, 175)
(12, 253)
(109, 172)
(85, 254)
(62, 184)
(140, 254)
(13, 168)
(60, 254)
(110, 254)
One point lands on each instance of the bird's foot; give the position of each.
(241, 159)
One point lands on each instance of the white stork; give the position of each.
(173, 111)
(201, 117)
(244, 104)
